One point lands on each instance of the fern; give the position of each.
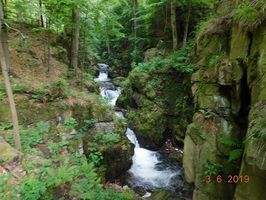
(235, 154)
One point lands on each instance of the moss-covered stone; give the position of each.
(239, 43)
(7, 153)
(118, 159)
(156, 102)
(223, 90)
(188, 159)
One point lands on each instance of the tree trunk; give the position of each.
(10, 96)
(173, 24)
(108, 45)
(75, 40)
(41, 14)
(3, 39)
(166, 18)
(134, 8)
(187, 24)
(107, 36)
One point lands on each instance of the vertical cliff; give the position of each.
(228, 133)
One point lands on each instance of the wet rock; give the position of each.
(172, 152)
(118, 159)
(162, 194)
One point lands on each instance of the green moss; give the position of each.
(8, 153)
(196, 134)
(239, 44)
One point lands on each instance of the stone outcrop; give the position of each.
(156, 101)
(229, 89)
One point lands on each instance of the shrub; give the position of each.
(211, 169)
(31, 136)
(70, 123)
(180, 60)
(250, 14)
(59, 88)
(106, 139)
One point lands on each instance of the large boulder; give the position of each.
(156, 102)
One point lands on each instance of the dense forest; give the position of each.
(133, 99)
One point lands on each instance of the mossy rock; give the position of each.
(118, 159)
(196, 134)
(160, 194)
(255, 187)
(119, 81)
(149, 124)
(239, 43)
(7, 153)
(188, 159)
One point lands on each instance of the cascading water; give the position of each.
(150, 170)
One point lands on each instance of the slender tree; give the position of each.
(42, 15)
(134, 9)
(4, 67)
(173, 24)
(187, 23)
(75, 39)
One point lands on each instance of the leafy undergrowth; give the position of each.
(179, 60)
(54, 169)
(52, 165)
(40, 75)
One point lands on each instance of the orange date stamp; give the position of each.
(232, 179)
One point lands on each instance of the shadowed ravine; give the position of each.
(150, 170)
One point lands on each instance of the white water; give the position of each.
(103, 76)
(110, 96)
(149, 169)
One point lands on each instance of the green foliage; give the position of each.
(236, 147)
(32, 188)
(5, 126)
(95, 157)
(211, 169)
(109, 194)
(230, 141)
(7, 191)
(235, 154)
(59, 88)
(88, 124)
(16, 88)
(106, 139)
(41, 183)
(31, 136)
(180, 60)
(70, 123)
(250, 13)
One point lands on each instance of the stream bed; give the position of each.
(150, 170)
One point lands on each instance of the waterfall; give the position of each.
(132, 137)
(150, 170)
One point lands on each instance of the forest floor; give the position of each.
(44, 97)
(29, 57)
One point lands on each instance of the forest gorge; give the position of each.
(133, 99)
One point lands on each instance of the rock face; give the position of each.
(117, 157)
(156, 103)
(229, 89)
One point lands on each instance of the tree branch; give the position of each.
(14, 29)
